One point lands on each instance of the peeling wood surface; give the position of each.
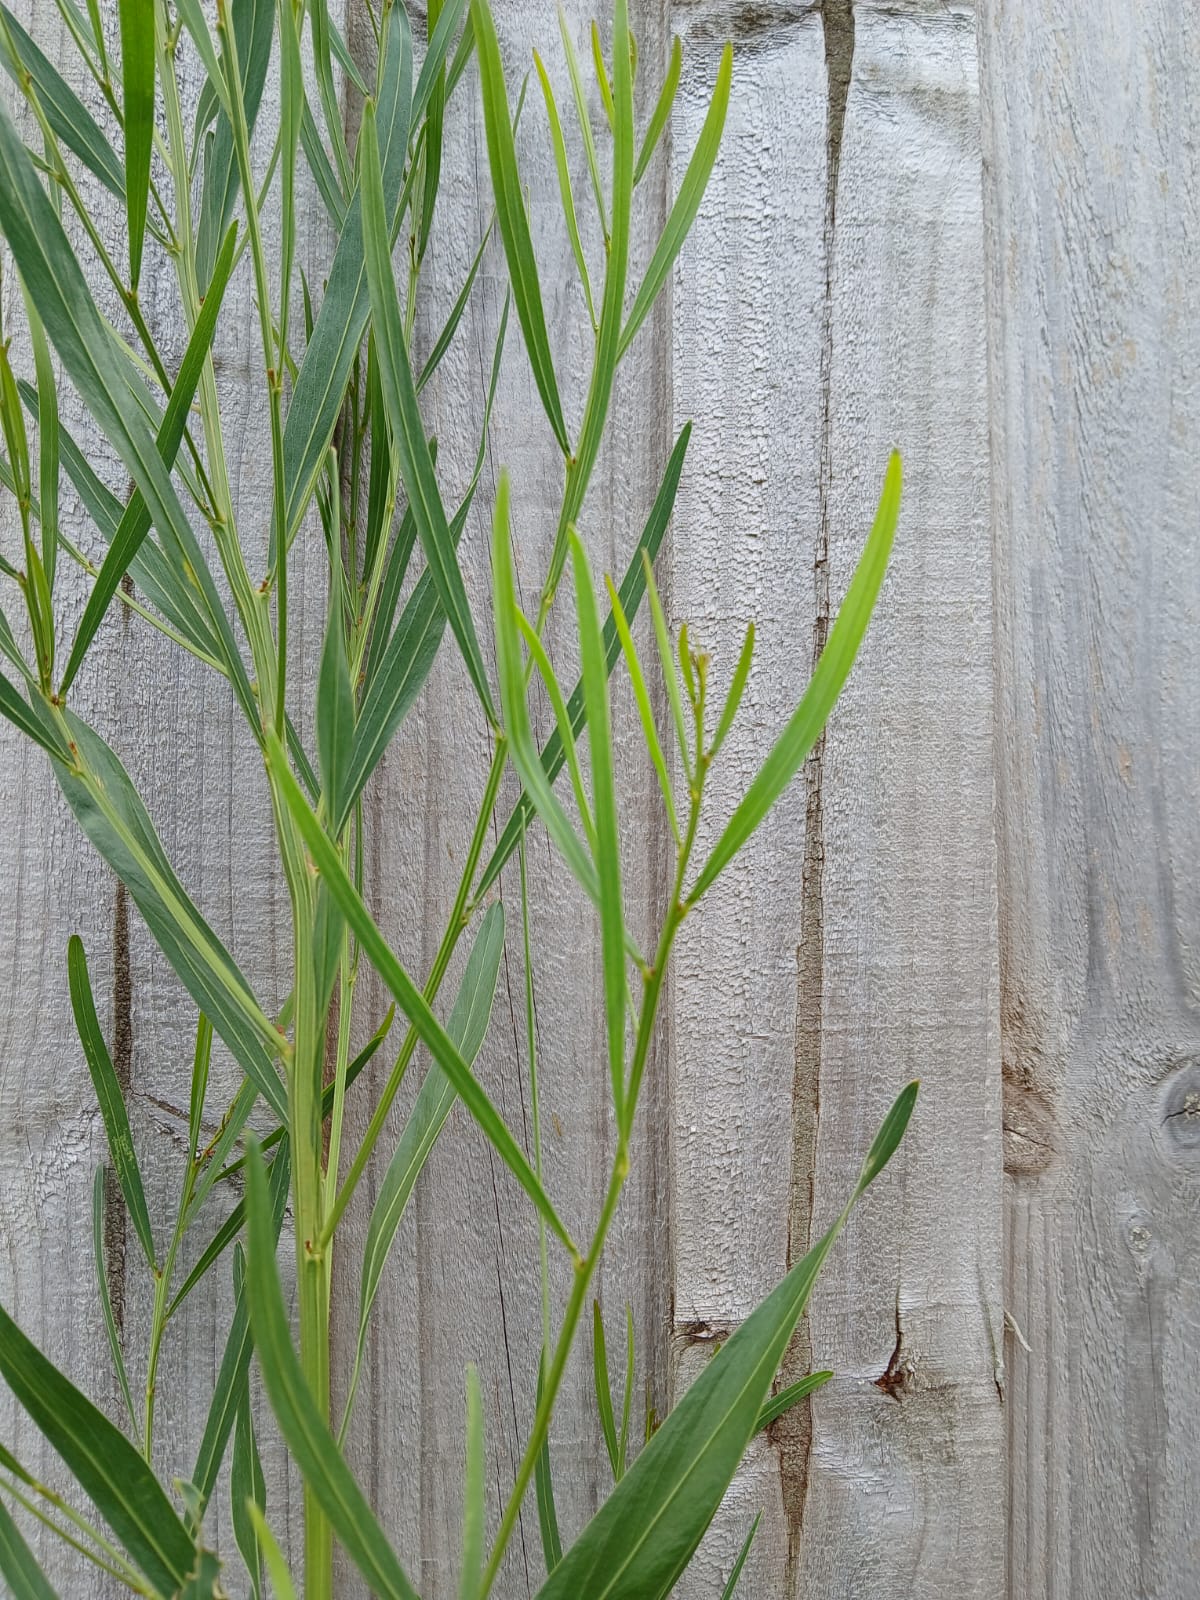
(1029, 683)
(1093, 217)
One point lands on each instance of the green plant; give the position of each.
(346, 434)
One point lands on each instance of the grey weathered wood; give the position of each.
(1093, 208)
(831, 305)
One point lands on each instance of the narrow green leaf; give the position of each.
(793, 745)
(789, 1397)
(608, 837)
(18, 712)
(450, 326)
(451, 14)
(406, 994)
(661, 114)
(339, 328)
(321, 168)
(516, 711)
(191, 14)
(331, 107)
(55, 280)
(513, 220)
(137, 79)
(341, 53)
(435, 1100)
(104, 1463)
(562, 723)
(135, 520)
(543, 1481)
(585, 121)
(47, 414)
(277, 1567)
(408, 430)
(247, 1486)
(309, 1440)
(111, 814)
(641, 694)
(108, 1093)
(666, 660)
(253, 29)
(603, 81)
(687, 203)
(335, 705)
(70, 119)
(201, 1060)
(633, 587)
(737, 688)
(25, 1579)
(558, 143)
(235, 1359)
(644, 1535)
(431, 151)
(110, 1321)
(727, 1592)
(608, 1423)
(474, 1507)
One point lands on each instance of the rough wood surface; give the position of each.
(831, 305)
(1094, 210)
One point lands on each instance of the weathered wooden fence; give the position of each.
(972, 231)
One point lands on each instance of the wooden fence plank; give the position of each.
(1093, 211)
(835, 296)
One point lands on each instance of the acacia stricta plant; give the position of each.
(208, 190)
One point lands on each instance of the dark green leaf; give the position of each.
(104, 1463)
(246, 1482)
(137, 79)
(108, 1093)
(608, 1421)
(25, 1579)
(644, 1535)
(110, 1321)
(135, 520)
(253, 27)
(511, 215)
(727, 1592)
(787, 1398)
(408, 431)
(312, 1446)
(543, 1483)
(335, 705)
(70, 119)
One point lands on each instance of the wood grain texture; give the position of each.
(832, 305)
(1091, 126)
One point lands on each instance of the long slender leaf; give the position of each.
(55, 280)
(277, 1567)
(108, 1093)
(135, 521)
(70, 119)
(516, 711)
(583, 116)
(474, 1507)
(235, 1359)
(335, 705)
(793, 745)
(543, 1483)
(558, 144)
(111, 813)
(633, 587)
(408, 431)
(110, 1321)
(339, 328)
(104, 1463)
(48, 462)
(608, 1421)
(137, 79)
(19, 713)
(789, 1397)
(512, 218)
(641, 694)
(727, 1592)
(604, 794)
(643, 1536)
(406, 994)
(311, 1444)
(434, 1102)
(25, 1579)
(661, 114)
(687, 203)
(247, 1486)
(253, 26)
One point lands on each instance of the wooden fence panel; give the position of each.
(1091, 123)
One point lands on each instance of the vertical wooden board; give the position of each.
(463, 1282)
(876, 869)
(1093, 207)
(174, 724)
(747, 342)
(905, 1491)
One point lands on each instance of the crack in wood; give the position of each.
(792, 1434)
